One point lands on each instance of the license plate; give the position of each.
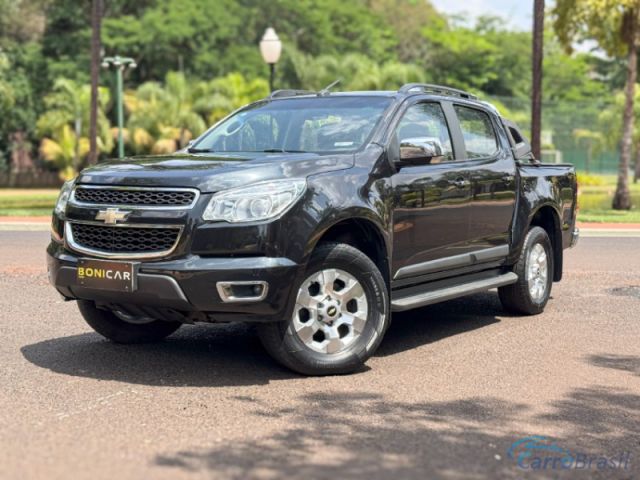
(107, 275)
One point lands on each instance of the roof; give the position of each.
(406, 90)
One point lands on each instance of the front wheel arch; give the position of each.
(361, 233)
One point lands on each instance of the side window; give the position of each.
(479, 136)
(427, 122)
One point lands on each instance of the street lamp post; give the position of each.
(270, 48)
(119, 64)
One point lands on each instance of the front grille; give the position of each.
(124, 240)
(134, 197)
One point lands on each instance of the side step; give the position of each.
(449, 293)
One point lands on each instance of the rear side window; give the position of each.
(515, 134)
(479, 136)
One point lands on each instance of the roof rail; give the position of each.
(438, 89)
(290, 93)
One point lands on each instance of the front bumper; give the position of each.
(189, 286)
(575, 236)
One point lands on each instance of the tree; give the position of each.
(571, 79)
(22, 20)
(407, 19)
(590, 139)
(221, 96)
(610, 126)
(212, 38)
(68, 105)
(96, 19)
(66, 35)
(615, 25)
(7, 96)
(21, 28)
(355, 71)
(162, 117)
(63, 150)
(476, 58)
(536, 84)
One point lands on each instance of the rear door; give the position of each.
(431, 201)
(493, 178)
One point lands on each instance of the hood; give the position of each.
(210, 173)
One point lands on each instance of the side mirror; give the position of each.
(420, 151)
(522, 153)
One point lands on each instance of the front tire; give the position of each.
(530, 294)
(120, 328)
(340, 316)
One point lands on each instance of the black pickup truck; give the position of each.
(316, 215)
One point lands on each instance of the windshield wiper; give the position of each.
(199, 150)
(280, 150)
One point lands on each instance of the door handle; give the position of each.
(460, 182)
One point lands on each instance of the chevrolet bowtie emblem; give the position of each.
(111, 216)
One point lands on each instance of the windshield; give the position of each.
(318, 125)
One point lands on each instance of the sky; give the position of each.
(519, 13)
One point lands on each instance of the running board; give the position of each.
(449, 293)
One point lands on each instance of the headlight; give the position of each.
(63, 197)
(260, 201)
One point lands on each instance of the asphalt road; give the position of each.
(451, 389)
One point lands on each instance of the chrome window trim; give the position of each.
(77, 203)
(71, 244)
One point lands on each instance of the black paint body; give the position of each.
(415, 216)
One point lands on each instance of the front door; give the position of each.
(431, 201)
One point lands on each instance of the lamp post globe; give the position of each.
(270, 49)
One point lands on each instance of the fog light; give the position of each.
(251, 291)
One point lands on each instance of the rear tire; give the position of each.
(340, 317)
(530, 294)
(113, 327)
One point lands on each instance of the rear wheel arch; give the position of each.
(548, 218)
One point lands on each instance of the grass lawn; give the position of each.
(595, 202)
(27, 202)
(609, 216)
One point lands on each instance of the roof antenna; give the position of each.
(326, 90)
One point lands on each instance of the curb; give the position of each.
(615, 232)
(24, 226)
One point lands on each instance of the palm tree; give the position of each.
(615, 26)
(63, 150)
(163, 118)
(96, 18)
(536, 87)
(356, 72)
(222, 95)
(69, 105)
